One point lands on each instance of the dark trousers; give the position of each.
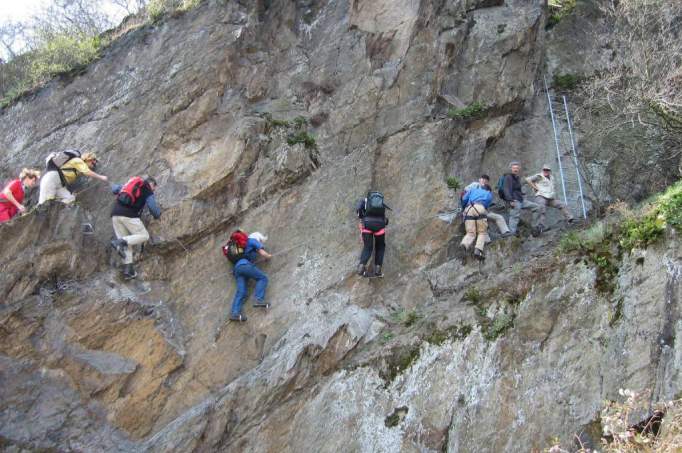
(370, 241)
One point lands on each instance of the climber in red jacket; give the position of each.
(12, 196)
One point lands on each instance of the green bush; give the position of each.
(558, 9)
(63, 54)
(566, 82)
(300, 122)
(453, 183)
(279, 123)
(499, 325)
(473, 295)
(302, 137)
(60, 54)
(472, 111)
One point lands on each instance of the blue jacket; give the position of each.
(250, 252)
(478, 195)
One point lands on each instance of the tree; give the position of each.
(633, 111)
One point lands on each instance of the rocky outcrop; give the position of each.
(218, 104)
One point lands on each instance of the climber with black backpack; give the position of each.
(243, 251)
(62, 169)
(131, 199)
(372, 214)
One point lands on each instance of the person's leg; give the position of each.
(5, 212)
(251, 271)
(64, 195)
(541, 210)
(121, 231)
(514, 216)
(240, 294)
(561, 206)
(499, 221)
(470, 228)
(49, 184)
(368, 242)
(481, 233)
(379, 249)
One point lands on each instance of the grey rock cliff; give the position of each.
(406, 363)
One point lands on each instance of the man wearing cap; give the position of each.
(543, 185)
(54, 184)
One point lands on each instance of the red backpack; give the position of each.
(234, 249)
(131, 191)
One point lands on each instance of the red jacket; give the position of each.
(7, 208)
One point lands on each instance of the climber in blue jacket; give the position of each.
(476, 203)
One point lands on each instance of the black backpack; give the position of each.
(374, 205)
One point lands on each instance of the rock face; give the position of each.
(439, 355)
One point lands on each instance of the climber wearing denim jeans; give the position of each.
(244, 270)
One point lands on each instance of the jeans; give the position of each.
(371, 241)
(242, 274)
(515, 212)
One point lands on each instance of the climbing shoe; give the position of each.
(479, 255)
(261, 304)
(129, 272)
(378, 272)
(238, 318)
(507, 234)
(120, 246)
(361, 270)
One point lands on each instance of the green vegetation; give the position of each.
(396, 417)
(438, 337)
(157, 9)
(558, 9)
(566, 82)
(453, 183)
(408, 317)
(497, 326)
(472, 294)
(401, 360)
(66, 40)
(603, 244)
(302, 137)
(472, 111)
(61, 54)
(300, 122)
(279, 123)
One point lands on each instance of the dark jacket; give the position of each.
(370, 222)
(513, 190)
(146, 199)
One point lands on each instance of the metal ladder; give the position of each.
(566, 154)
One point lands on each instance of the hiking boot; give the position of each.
(479, 255)
(361, 270)
(120, 246)
(238, 318)
(129, 272)
(377, 271)
(261, 304)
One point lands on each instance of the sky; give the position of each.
(18, 10)
(22, 10)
